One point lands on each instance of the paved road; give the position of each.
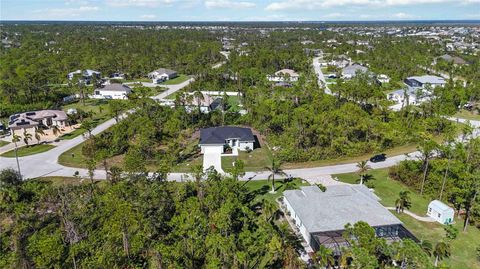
(321, 77)
(45, 163)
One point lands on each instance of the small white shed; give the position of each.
(440, 212)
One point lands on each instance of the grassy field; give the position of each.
(469, 115)
(463, 248)
(256, 160)
(261, 188)
(98, 108)
(73, 134)
(28, 150)
(177, 80)
(3, 143)
(72, 157)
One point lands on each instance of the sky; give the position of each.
(239, 10)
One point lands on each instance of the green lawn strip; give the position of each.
(256, 160)
(465, 114)
(98, 108)
(73, 157)
(463, 247)
(3, 143)
(28, 150)
(136, 80)
(177, 80)
(73, 134)
(261, 188)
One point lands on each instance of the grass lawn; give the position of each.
(136, 80)
(28, 150)
(261, 188)
(3, 143)
(98, 108)
(465, 114)
(73, 157)
(73, 134)
(463, 248)
(177, 80)
(254, 161)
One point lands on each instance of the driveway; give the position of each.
(318, 71)
(212, 156)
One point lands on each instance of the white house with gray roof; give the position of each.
(423, 81)
(220, 138)
(162, 74)
(112, 91)
(321, 216)
(352, 70)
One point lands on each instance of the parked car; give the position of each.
(378, 158)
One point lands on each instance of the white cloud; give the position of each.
(403, 16)
(321, 4)
(140, 3)
(148, 17)
(64, 13)
(228, 4)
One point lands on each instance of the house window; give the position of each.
(430, 210)
(439, 215)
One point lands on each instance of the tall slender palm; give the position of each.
(198, 95)
(26, 137)
(403, 201)
(442, 250)
(38, 134)
(363, 167)
(427, 150)
(274, 169)
(15, 140)
(56, 131)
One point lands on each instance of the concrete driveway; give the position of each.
(212, 156)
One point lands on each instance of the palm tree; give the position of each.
(427, 247)
(26, 137)
(363, 167)
(427, 150)
(274, 170)
(324, 257)
(198, 95)
(442, 250)
(15, 140)
(269, 209)
(403, 201)
(56, 131)
(38, 134)
(115, 174)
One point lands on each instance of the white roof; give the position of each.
(338, 205)
(428, 79)
(290, 72)
(439, 206)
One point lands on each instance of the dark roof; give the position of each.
(218, 135)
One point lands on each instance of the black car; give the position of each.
(378, 158)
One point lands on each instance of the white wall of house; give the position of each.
(113, 94)
(441, 216)
(303, 231)
(245, 145)
(218, 148)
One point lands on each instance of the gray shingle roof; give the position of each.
(353, 69)
(164, 70)
(218, 135)
(116, 87)
(338, 205)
